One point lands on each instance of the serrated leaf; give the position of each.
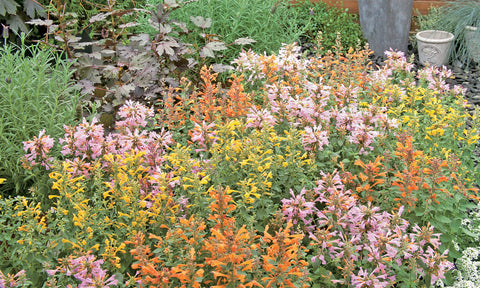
(85, 86)
(201, 22)
(181, 25)
(111, 71)
(165, 29)
(16, 24)
(99, 17)
(171, 3)
(143, 38)
(107, 107)
(159, 10)
(123, 91)
(8, 7)
(244, 41)
(207, 52)
(166, 48)
(40, 22)
(216, 46)
(31, 6)
(95, 55)
(220, 68)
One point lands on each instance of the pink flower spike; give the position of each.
(203, 135)
(38, 150)
(135, 115)
(314, 139)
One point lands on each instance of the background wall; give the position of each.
(352, 5)
(419, 6)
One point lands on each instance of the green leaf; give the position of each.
(419, 211)
(446, 238)
(443, 219)
(469, 233)
(8, 7)
(16, 24)
(31, 6)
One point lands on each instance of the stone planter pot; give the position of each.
(434, 46)
(472, 42)
(386, 24)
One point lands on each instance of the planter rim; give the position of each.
(443, 36)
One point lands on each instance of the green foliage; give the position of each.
(14, 12)
(25, 242)
(312, 17)
(37, 93)
(260, 166)
(118, 67)
(428, 21)
(270, 23)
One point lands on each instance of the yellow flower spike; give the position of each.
(124, 215)
(74, 245)
(23, 228)
(2, 180)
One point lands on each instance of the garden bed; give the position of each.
(322, 169)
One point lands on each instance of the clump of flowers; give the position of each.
(394, 144)
(467, 270)
(204, 136)
(38, 151)
(12, 281)
(360, 244)
(87, 270)
(232, 254)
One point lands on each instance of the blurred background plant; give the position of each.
(428, 21)
(312, 17)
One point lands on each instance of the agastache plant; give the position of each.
(372, 246)
(38, 150)
(86, 269)
(88, 142)
(11, 281)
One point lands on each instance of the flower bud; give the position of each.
(5, 31)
